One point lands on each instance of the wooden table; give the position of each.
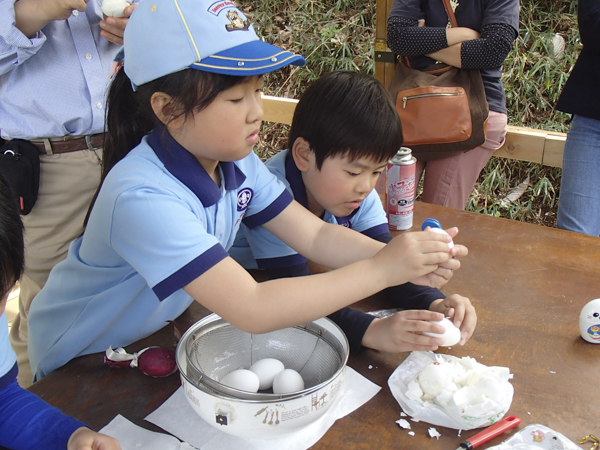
(528, 284)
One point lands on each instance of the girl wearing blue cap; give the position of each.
(179, 176)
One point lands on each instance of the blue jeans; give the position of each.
(579, 203)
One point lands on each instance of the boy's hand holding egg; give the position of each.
(461, 313)
(451, 335)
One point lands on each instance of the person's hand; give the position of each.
(114, 27)
(85, 439)
(402, 332)
(446, 270)
(414, 257)
(461, 312)
(460, 34)
(61, 9)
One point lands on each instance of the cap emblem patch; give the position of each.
(237, 23)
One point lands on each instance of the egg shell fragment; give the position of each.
(451, 334)
(242, 379)
(287, 381)
(267, 369)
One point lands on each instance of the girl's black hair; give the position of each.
(347, 114)
(129, 114)
(12, 249)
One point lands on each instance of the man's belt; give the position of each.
(53, 146)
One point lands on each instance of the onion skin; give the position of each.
(152, 361)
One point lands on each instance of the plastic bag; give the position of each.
(535, 437)
(447, 409)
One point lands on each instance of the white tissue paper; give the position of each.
(451, 392)
(132, 437)
(535, 437)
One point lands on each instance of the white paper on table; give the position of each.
(132, 437)
(178, 418)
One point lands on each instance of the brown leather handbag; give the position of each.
(443, 109)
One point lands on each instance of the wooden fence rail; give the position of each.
(523, 144)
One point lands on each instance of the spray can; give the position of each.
(400, 198)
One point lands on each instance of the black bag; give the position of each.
(20, 165)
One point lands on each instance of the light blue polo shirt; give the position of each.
(7, 355)
(258, 248)
(159, 222)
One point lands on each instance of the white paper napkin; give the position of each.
(178, 418)
(132, 437)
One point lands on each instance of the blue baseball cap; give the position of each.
(166, 36)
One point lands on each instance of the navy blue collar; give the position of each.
(187, 169)
(294, 177)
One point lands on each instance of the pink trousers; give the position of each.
(450, 181)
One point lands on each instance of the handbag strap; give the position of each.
(450, 13)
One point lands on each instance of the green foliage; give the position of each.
(532, 77)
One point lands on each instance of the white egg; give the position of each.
(451, 334)
(114, 8)
(267, 369)
(241, 379)
(440, 231)
(287, 381)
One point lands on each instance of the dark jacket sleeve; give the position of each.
(354, 324)
(29, 423)
(581, 93)
(588, 19)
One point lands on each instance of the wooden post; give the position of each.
(385, 60)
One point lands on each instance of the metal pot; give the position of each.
(211, 348)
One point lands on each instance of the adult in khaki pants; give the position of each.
(55, 62)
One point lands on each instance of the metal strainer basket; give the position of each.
(213, 348)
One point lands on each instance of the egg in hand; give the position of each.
(114, 8)
(451, 334)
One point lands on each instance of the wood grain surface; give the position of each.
(528, 284)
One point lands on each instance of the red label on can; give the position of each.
(400, 195)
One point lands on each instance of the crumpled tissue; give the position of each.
(451, 392)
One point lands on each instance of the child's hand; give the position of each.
(85, 439)
(446, 270)
(114, 27)
(414, 257)
(462, 313)
(402, 332)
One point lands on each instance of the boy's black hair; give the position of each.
(12, 250)
(129, 114)
(347, 114)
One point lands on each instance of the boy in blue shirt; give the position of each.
(345, 129)
(26, 421)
